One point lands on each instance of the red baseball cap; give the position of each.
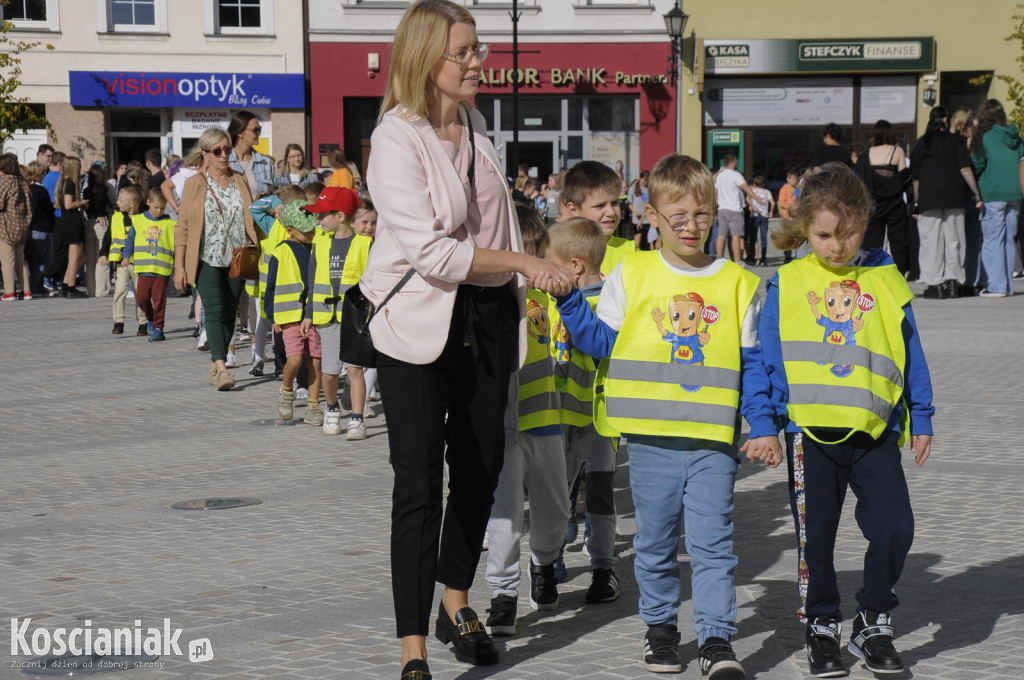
(335, 199)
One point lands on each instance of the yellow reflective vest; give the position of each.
(617, 249)
(277, 234)
(288, 288)
(842, 344)
(538, 396)
(119, 225)
(153, 248)
(575, 372)
(675, 368)
(327, 304)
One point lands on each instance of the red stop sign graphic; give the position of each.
(866, 302)
(710, 315)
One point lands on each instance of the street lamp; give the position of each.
(675, 24)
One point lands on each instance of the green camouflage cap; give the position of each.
(294, 216)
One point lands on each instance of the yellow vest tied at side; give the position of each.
(617, 249)
(119, 224)
(277, 234)
(327, 306)
(154, 245)
(538, 396)
(575, 373)
(675, 369)
(842, 344)
(288, 289)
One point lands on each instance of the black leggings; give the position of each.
(451, 409)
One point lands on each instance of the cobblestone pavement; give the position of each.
(101, 434)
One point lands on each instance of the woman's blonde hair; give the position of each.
(421, 39)
(70, 173)
(210, 137)
(835, 188)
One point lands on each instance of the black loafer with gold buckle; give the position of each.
(467, 635)
(416, 669)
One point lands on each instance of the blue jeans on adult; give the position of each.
(39, 258)
(678, 483)
(998, 251)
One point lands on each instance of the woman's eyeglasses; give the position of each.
(219, 150)
(463, 57)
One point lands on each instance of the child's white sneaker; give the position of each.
(203, 343)
(369, 412)
(314, 416)
(332, 422)
(285, 404)
(356, 429)
(230, 361)
(302, 394)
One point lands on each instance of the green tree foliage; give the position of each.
(15, 112)
(1014, 103)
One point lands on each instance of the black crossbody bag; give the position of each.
(356, 309)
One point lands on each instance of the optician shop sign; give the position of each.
(207, 90)
(818, 56)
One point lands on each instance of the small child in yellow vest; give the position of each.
(534, 464)
(284, 303)
(337, 262)
(149, 247)
(849, 385)
(129, 203)
(364, 223)
(674, 385)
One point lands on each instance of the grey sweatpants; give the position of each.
(536, 463)
(589, 452)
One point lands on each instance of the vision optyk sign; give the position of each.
(210, 90)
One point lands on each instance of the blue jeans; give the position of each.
(998, 251)
(39, 258)
(678, 483)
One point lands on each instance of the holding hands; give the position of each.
(547, 276)
(765, 449)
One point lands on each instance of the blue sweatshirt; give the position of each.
(262, 212)
(593, 336)
(302, 256)
(917, 390)
(129, 243)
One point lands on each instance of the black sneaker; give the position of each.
(72, 292)
(823, 653)
(543, 587)
(502, 619)
(142, 331)
(661, 650)
(718, 661)
(118, 329)
(198, 329)
(934, 293)
(604, 586)
(873, 642)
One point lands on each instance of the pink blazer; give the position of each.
(421, 202)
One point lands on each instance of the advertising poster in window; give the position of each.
(891, 99)
(752, 102)
(608, 147)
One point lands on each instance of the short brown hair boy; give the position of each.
(578, 237)
(587, 177)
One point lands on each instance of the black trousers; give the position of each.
(449, 410)
(895, 224)
(819, 475)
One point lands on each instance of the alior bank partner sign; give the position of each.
(207, 90)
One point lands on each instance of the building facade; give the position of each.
(128, 75)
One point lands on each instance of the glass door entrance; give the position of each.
(540, 151)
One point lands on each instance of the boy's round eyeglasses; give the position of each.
(463, 57)
(677, 222)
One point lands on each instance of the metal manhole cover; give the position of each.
(216, 503)
(71, 665)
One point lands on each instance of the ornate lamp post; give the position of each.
(675, 24)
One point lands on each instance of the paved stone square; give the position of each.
(102, 434)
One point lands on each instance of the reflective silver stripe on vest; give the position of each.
(671, 411)
(579, 375)
(545, 401)
(117, 241)
(288, 289)
(843, 355)
(322, 307)
(841, 395)
(679, 374)
(536, 370)
(152, 262)
(324, 289)
(287, 306)
(571, 403)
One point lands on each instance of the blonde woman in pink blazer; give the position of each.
(451, 339)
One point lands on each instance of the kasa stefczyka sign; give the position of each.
(208, 90)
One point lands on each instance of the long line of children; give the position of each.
(846, 381)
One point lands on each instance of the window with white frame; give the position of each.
(32, 14)
(131, 16)
(240, 17)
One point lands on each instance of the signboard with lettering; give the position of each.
(856, 55)
(567, 77)
(196, 121)
(208, 90)
(732, 102)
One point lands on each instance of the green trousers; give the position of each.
(220, 295)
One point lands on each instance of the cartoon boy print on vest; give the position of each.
(537, 326)
(153, 235)
(563, 344)
(685, 314)
(840, 304)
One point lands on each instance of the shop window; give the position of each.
(31, 14)
(535, 113)
(956, 89)
(135, 120)
(133, 16)
(240, 17)
(611, 113)
(575, 114)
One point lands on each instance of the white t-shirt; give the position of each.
(178, 179)
(727, 188)
(611, 306)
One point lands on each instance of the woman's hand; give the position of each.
(179, 278)
(547, 276)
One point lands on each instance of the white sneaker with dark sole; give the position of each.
(356, 430)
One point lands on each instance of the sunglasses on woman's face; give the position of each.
(256, 130)
(219, 150)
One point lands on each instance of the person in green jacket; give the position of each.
(997, 162)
